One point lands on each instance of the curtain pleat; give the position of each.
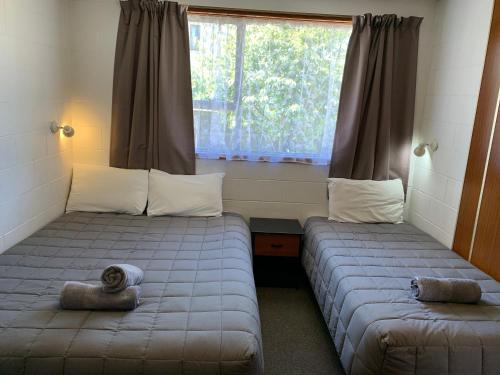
(152, 115)
(377, 100)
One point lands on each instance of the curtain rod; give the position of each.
(252, 13)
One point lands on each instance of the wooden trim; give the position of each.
(481, 136)
(278, 245)
(267, 14)
(485, 254)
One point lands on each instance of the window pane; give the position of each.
(212, 60)
(267, 90)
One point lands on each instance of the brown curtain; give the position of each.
(152, 116)
(377, 99)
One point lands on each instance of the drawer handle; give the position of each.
(276, 245)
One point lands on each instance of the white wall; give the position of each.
(34, 164)
(253, 189)
(459, 44)
(56, 62)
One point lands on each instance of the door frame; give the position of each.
(480, 146)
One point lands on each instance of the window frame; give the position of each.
(260, 15)
(267, 14)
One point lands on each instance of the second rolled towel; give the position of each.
(432, 289)
(117, 277)
(81, 296)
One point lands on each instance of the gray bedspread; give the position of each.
(198, 315)
(361, 273)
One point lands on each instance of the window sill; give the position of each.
(267, 159)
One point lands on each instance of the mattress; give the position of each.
(199, 312)
(360, 274)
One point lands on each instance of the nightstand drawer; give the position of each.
(284, 245)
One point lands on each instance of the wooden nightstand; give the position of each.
(276, 245)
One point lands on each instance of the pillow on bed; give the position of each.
(185, 195)
(366, 201)
(105, 189)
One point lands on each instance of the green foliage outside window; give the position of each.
(266, 88)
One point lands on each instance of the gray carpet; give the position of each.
(296, 339)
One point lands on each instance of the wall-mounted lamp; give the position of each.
(420, 149)
(67, 130)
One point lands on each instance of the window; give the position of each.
(194, 37)
(266, 89)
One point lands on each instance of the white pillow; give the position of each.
(105, 189)
(366, 201)
(185, 195)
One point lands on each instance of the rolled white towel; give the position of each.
(81, 296)
(432, 289)
(117, 277)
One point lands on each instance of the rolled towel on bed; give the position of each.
(117, 277)
(432, 289)
(81, 296)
